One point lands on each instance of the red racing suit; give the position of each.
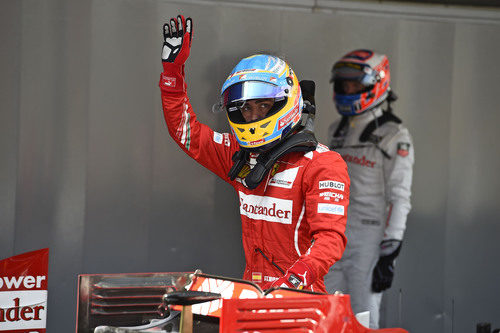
(297, 213)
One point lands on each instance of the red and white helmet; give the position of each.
(371, 71)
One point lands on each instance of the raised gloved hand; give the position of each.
(383, 273)
(177, 36)
(298, 276)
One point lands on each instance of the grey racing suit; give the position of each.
(381, 174)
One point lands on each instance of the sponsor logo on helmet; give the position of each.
(244, 71)
(288, 117)
(241, 71)
(330, 209)
(342, 64)
(324, 184)
(266, 208)
(257, 142)
(278, 67)
(359, 55)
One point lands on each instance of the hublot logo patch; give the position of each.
(324, 184)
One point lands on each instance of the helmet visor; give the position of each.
(346, 71)
(247, 90)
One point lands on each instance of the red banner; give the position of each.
(23, 292)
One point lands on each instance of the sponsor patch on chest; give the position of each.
(266, 208)
(285, 178)
(363, 161)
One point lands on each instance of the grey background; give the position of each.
(487, 3)
(88, 169)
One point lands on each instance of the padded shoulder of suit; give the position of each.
(323, 155)
(391, 132)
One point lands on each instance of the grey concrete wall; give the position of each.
(88, 168)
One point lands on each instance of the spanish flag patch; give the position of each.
(256, 277)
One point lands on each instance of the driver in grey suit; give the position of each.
(378, 151)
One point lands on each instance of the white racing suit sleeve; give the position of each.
(398, 171)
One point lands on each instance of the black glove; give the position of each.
(177, 36)
(383, 273)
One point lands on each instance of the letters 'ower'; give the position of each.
(23, 292)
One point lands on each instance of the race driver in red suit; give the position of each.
(293, 191)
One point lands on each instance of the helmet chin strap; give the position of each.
(302, 140)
